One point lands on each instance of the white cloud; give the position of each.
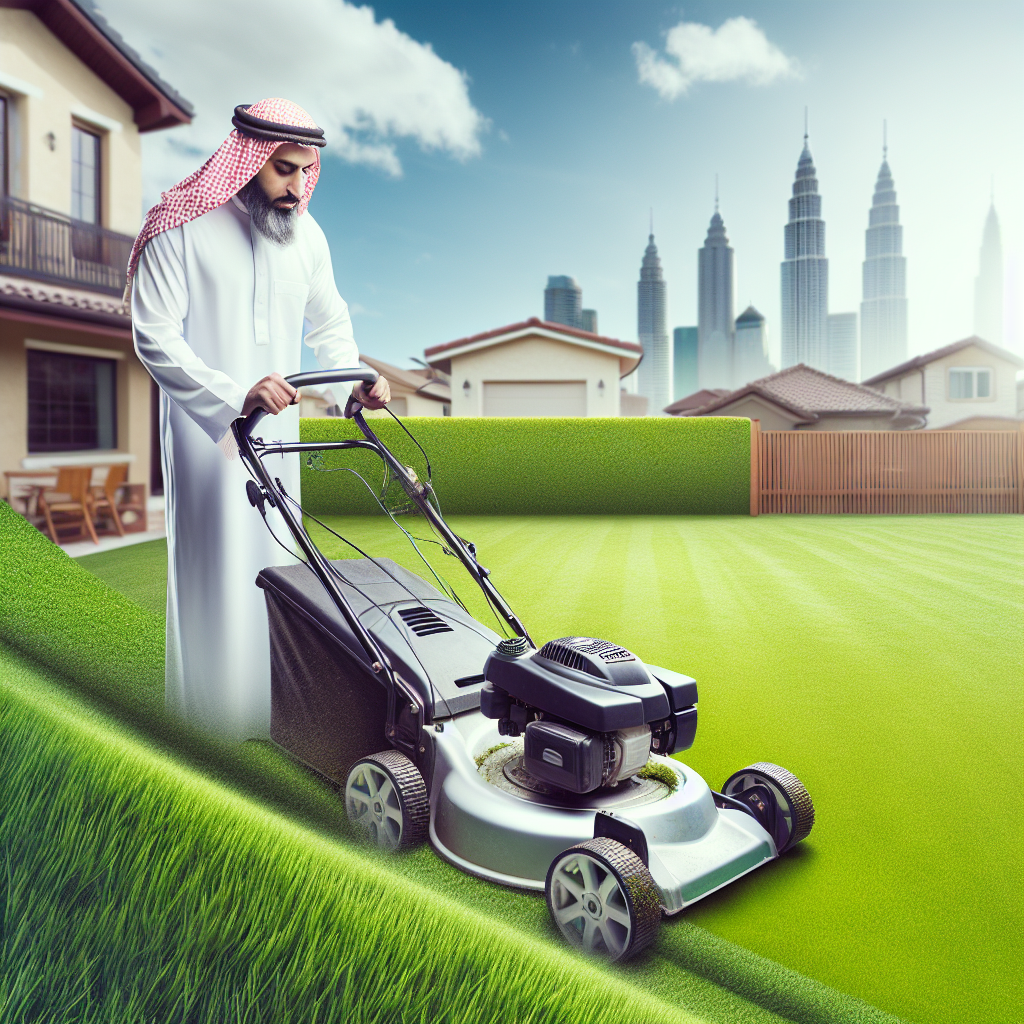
(366, 83)
(736, 51)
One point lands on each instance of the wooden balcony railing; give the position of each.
(48, 246)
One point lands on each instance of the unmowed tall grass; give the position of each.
(137, 891)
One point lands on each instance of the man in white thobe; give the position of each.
(219, 296)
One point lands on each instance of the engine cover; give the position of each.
(592, 684)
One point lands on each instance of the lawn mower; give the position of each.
(544, 768)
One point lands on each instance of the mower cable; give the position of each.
(355, 547)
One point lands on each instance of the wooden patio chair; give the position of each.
(68, 503)
(103, 500)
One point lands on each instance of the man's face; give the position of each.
(284, 175)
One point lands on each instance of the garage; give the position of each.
(535, 398)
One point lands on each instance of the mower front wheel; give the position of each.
(603, 899)
(777, 798)
(386, 800)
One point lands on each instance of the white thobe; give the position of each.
(216, 307)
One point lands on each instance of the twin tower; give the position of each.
(810, 334)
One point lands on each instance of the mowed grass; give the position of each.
(136, 890)
(689, 967)
(878, 658)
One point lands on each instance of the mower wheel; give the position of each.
(386, 798)
(603, 899)
(788, 813)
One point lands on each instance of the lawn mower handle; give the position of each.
(301, 380)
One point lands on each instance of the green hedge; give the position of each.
(497, 466)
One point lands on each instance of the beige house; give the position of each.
(74, 99)
(802, 398)
(535, 368)
(969, 385)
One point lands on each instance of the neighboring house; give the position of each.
(535, 368)
(970, 385)
(682, 406)
(73, 101)
(413, 393)
(631, 404)
(802, 398)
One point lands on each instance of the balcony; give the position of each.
(48, 246)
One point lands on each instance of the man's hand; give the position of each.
(272, 393)
(376, 398)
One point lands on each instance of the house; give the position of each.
(413, 393)
(74, 100)
(802, 398)
(682, 406)
(535, 368)
(969, 385)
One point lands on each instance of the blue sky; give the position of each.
(459, 204)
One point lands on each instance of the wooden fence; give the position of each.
(886, 471)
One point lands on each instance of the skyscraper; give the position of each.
(716, 303)
(588, 320)
(563, 301)
(988, 286)
(684, 362)
(842, 347)
(804, 272)
(656, 367)
(883, 312)
(750, 361)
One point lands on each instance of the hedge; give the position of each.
(565, 466)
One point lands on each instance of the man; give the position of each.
(222, 275)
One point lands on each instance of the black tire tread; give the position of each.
(796, 792)
(412, 795)
(642, 893)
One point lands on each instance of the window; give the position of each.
(85, 175)
(970, 382)
(71, 402)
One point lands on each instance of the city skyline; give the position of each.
(460, 163)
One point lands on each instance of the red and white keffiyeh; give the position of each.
(236, 163)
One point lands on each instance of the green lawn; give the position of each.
(880, 659)
(137, 890)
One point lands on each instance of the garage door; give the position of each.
(535, 398)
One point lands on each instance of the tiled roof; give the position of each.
(57, 300)
(941, 353)
(627, 346)
(696, 400)
(425, 382)
(811, 394)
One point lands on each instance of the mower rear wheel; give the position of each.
(603, 899)
(386, 799)
(791, 818)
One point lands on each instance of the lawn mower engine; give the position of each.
(589, 711)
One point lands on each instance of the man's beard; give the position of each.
(272, 222)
